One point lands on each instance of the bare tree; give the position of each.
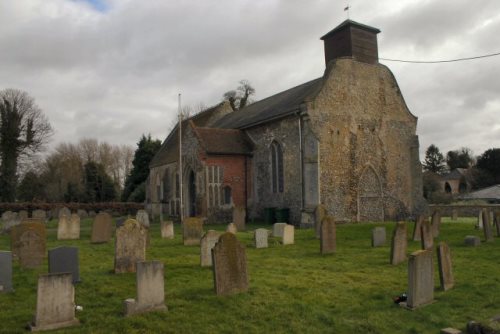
(24, 131)
(239, 98)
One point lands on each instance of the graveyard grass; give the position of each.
(293, 288)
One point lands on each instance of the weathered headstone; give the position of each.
(231, 228)
(480, 220)
(450, 330)
(65, 260)
(239, 217)
(378, 236)
(8, 215)
(278, 229)
(130, 246)
(192, 231)
(68, 228)
(436, 223)
(417, 228)
(445, 267)
(23, 214)
(143, 218)
(399, 244)
(328, 236)
(28, 243)
(55, 304)
(92, 214)
(260, 237)
(102, 228)
(488, 234)
(208, 242)
(319, 214)
(10, 219)
(420, 279)
(82, 213)
(454, 214)
(427, 235)
(5, 272)
(150, 289)
(167, 230)
(472, 241)
(229, 265)
(39, 214)
(288, 235)
(64, 211)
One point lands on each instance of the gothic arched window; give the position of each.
(277, 167)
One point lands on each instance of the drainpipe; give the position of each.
(246, 191)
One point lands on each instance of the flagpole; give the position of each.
(181, 213)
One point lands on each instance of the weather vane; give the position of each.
(346, 9)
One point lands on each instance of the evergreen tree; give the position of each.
(489, 164)
(459, 159)
(30, 187)
(434, 160)
(99, 186)
(146, 150)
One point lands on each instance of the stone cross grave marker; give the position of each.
(64, 259)
(420, 279)
(427, 235)
(130, 246)
(436, 223)
(278, 229)
(150, 287)
(102, 228)
(260, 237)
(64, 211)
(288, 235)
(378, 236)
(399, 244)
(143, 218)
(328, 236)
(239, 217)
(444, 266)
(5, 272)
(472, 241)
(319, 214)
(229, 265)
(417, 228)
(55, 304)
(192, 231)
(208, 242)
(231, 228)
(167, 230)
(488, 234)
(28, 243)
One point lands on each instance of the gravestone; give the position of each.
(472, 241)
(229, 265)
(420, 279)
(488, 234)
(82, 213)
(39, 214)
(436, 223)
(454, 214)
(32, 243)
(328, 236)
(143, 218)
(444, 266)
(9, 221)
(417, 228)
(288, 235)
(64, 211)
(208, 242)
(23, 215)
(8, 215)
(68, 228)
(55, 303)
(64, 259)
(239, 217)
(399, 244)
(260, 237)
(5, 272)
(92, 214)
(427, 235)
(192, 231)
(130, 246)
(319, 214)
(150, 285)
(278, 229)
(480, 220)
(231, 228)
(378, 236)
(102, 228)
(167, 230)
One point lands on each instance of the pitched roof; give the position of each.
(455, 174)
(348, 23)
(223, 141)
(271, 108)
(490, 193)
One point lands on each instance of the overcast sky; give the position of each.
(112, 69)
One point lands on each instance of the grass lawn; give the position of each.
(293, 289)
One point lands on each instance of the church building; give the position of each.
(346, 140)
